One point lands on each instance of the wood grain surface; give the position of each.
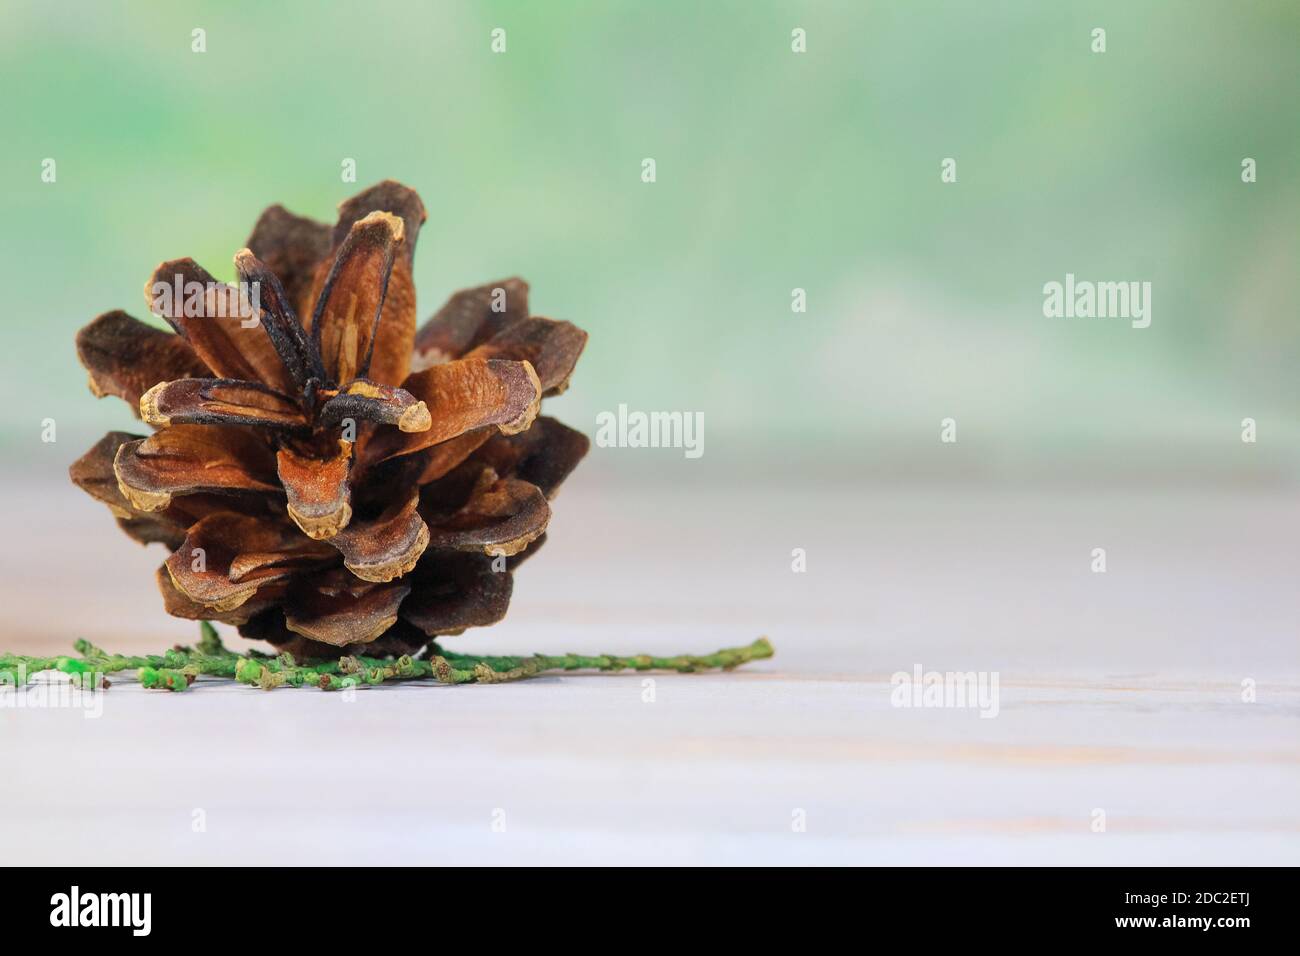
(1119, 692)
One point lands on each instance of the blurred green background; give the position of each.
(775, 170)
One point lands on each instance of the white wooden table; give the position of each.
(1119, 692)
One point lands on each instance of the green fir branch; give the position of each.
(177, 669)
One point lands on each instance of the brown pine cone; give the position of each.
(344, 484)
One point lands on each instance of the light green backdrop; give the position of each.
(775, 170)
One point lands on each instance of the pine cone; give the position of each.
(346, 483)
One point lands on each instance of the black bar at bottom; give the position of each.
(147, 905)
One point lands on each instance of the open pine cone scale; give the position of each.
(346, 481)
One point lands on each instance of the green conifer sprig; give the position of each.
(178, 668)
